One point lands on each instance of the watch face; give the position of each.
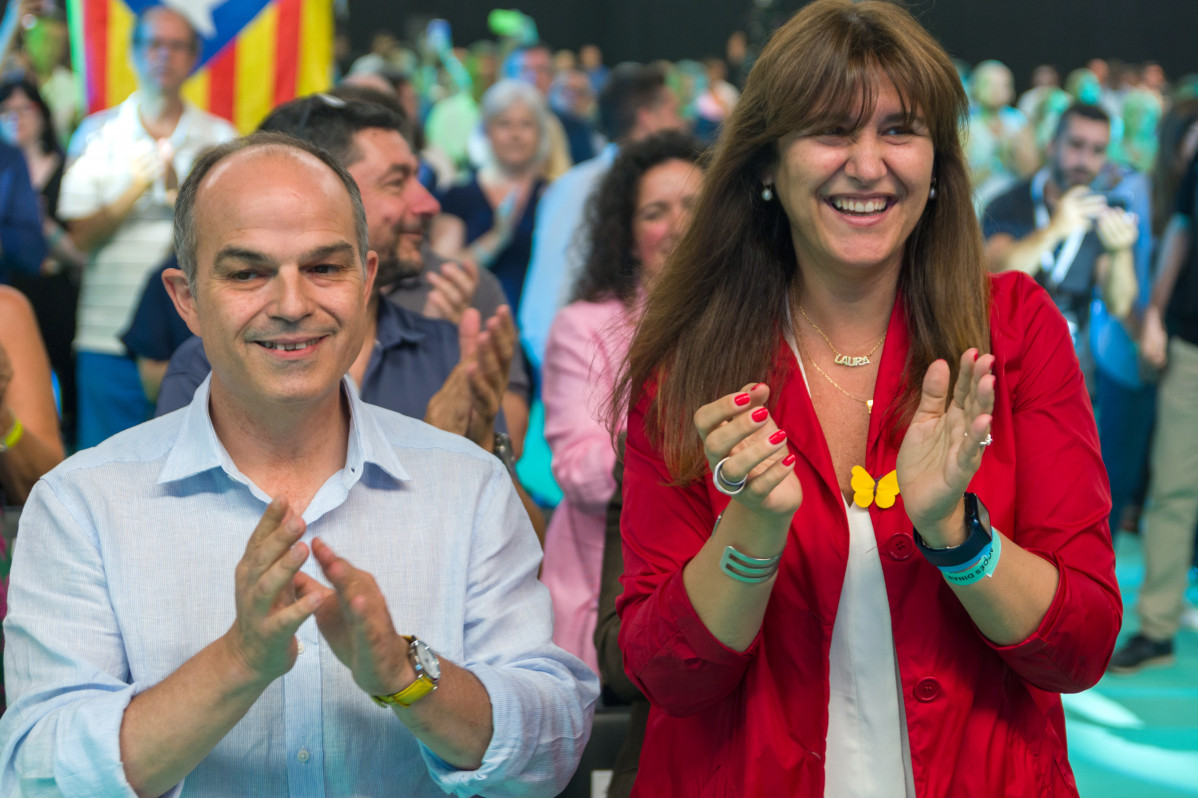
(427, 659)
(502, 449)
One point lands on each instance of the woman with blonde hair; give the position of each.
(865, 515)
(488, 221)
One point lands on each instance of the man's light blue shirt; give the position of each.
(558, 250)
(124, 570)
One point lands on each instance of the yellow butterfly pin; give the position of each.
(887, 488)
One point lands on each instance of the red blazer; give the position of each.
(983, 720)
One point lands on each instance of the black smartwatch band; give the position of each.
(977, 526)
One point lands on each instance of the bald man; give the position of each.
(212, 602)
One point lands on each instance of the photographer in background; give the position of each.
(1055, 228)
(1082, 245)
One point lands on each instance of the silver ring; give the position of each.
(723, 485)
(989, 440)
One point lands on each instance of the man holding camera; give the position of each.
(1081, 244)
(1057, 229)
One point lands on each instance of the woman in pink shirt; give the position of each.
(636, 215)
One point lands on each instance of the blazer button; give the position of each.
(900, 546)
(927, 690)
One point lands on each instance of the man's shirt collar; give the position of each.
(198, 449)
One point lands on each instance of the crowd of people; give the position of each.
(691, 284)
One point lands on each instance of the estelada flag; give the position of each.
(255, 53)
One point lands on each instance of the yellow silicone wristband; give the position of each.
(14, 435)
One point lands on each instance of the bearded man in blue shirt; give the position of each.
(152, 649)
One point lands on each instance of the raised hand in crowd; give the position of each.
(148, 168)
(268, 609)
(488, 352)
(470, 399)
(1077, 210)
(738, 432)
(940, 454)
(508, 213)
(942, 449)
(744, 447)
(453, 291)
(1117, 229)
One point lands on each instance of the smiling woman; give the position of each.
(854, 192)
(488, 221)
(855, 572)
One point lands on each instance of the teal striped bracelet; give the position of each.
(742, 567)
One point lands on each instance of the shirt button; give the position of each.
(303, 755)
(900, 546)
(927, 690)
(299, 648)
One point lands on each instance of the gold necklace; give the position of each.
(869, 403)
(842, 359)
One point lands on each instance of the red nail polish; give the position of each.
(778, 437)
(789, 460)
(742, 399)
(758, 385)
(760, 414)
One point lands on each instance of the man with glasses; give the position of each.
(118, 202)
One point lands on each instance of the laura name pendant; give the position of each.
(842, 359)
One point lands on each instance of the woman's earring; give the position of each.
(767, 192)
(932, 190)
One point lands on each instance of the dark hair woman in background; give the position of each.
(26, 123)
(636, 216)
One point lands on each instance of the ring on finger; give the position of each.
(989, 440)
(722, 484)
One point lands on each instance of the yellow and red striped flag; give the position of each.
(255, 53)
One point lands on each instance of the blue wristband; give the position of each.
(984, 567)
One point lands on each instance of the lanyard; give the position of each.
(1057, 267)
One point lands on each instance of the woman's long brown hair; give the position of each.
(715, 315)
